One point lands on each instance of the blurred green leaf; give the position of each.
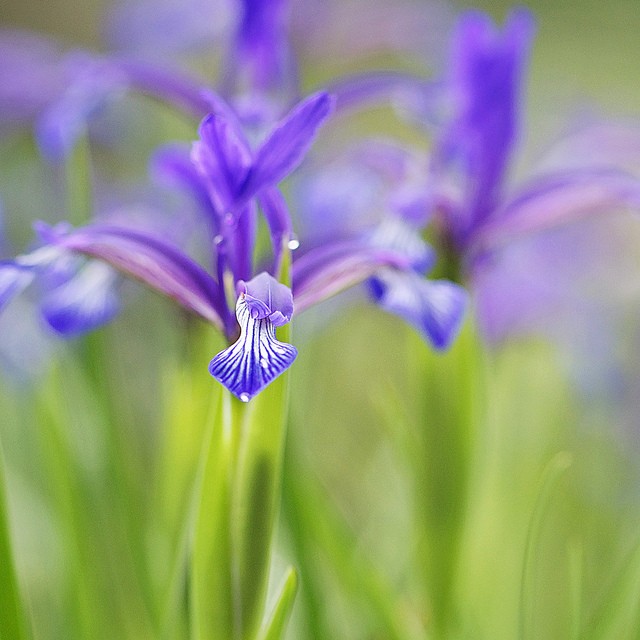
(12, 613)
(275, 626)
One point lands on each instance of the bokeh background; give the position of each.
(559, 390)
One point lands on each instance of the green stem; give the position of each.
(450, 394)
(238, 508)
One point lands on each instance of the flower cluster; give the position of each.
(364, 214)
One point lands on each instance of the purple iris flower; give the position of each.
(235, 179)
(477, 214)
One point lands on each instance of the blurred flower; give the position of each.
(375, 196)
(472, 155)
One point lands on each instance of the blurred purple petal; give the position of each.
(364, 89)
(172, 166)
(92, 86)
(485, 85)
(31, 75)
(262, 59)
(395, 235)
(434, 307)
(559, 200)
(84, 302)
(13, 280)
(156, 28)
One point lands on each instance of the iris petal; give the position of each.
(434, 307)
(255, 359)
(83, 303)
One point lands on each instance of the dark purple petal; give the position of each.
(83, 303)
(556, 201)
(331, 268)
(267, 298)
(222, 158)
(153, 261)
(256, 359)
(287, 144)
(434, 307)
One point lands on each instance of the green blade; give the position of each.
(12, 617)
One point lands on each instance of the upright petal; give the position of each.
(262, 59)
(434, 307)
(268, 298)
(222, 158)
(485, 87)
(257, 357)
(288, 143)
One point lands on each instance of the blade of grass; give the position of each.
(275, 626)
(315, 525)
(13, 621)
(548, 482)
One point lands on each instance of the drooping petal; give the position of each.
(84, 302)
(16, 275)
(331, 268)
(256, 359)
(153, 261)
(559, 200)
(434, 307)
(287, 144)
